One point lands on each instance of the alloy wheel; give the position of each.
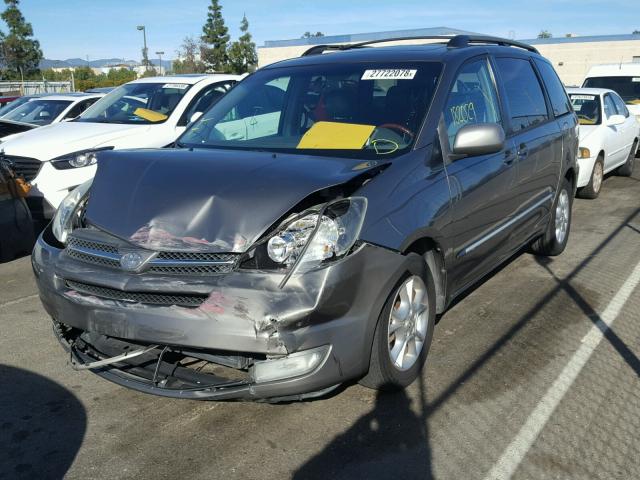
(408, 323)
(562, 216)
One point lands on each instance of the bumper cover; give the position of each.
(336, 306)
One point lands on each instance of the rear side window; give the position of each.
(472, 99)
(620, 106)
(555, 89)
(524, 94)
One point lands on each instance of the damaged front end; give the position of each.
(285, 308)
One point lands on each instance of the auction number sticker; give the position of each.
(583, 97)
(389, 74)
(179, 86)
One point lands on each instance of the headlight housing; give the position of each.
(69, 214)
(83, 158)
(321, 234)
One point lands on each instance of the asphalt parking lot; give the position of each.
(534, 374)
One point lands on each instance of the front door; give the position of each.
(481, 186)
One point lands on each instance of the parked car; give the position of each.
(313, 222)
(622, 78)
(609, 137)
(40, 111)
(100, 90)
(15, 220)
(7, 107)
(4, 100)
(150, 112)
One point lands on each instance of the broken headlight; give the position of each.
(318, 235)
(80, 159)
(69, 213)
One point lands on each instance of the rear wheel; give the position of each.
(592, 189)
(403, 334)
(626, 170)
(554, 240)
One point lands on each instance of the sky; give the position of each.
(107, 28)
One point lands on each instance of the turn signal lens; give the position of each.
(584, 153)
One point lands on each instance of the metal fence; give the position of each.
(30, 88)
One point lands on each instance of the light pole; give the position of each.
(160, 58)
(144, 50)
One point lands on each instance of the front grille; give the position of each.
(165, 263)
(167, 299)
(25, 167)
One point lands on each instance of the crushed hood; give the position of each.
(52, 141)
(205, 200)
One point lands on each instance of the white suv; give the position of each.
(622, 78)
(146, 113)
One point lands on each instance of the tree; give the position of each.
(20, 52)
(150, 72)
(215, 37)
(545, 34)
(188, 58)
(242, 54)
(145, 57)
(636, 32)
(312, 35)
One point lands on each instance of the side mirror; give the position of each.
(195, 116)
(479, 139)
(614, 120)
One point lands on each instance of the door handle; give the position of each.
(523, 151)
(509, 157)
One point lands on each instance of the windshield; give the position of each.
(38, 112)
(627, 87)
(357, 110)
(13, 105)
(587, 107)
(136, 103)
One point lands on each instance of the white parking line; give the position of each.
(18, 300)
(513, 455)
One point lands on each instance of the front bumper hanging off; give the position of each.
(250, 339)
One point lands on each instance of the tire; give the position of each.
(554, 240)
(592, 189)
(626, 170)
(383, 373)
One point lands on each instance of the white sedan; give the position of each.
(146, 113)
(609, 137)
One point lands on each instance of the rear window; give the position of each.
(555, 89)
(526, 101)
(627, 87)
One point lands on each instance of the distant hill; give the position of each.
(103, 62)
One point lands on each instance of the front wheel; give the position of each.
(403, 334)
(592, 189)
(554, 240)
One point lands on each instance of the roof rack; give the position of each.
(456, 41)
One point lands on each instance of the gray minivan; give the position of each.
(309, 227)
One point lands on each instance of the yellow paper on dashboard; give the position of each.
(149, 114)
(336, 135)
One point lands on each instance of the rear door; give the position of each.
(536, 137)
(481, 186)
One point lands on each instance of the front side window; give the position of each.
(620, 106)
(38, 112)
(627, 87)
(80, 107)
(587, 107)
(526, 101)
(357, 110)
(609, 106)
(472, 99)
(136, 103)
(204, 99)
(555, 89)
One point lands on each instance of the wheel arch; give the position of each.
(432, 252)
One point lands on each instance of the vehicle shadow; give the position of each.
(42, 425)
(389, 441)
